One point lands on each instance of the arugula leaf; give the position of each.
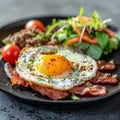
(75, 97)
(55, 50)
(103, 39)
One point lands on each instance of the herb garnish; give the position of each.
(41, 79)
(75, 97)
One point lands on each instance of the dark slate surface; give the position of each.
(13, 109)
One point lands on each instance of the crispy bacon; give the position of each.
(17, 80)
(105, 78)
(51, 93)
(88, 88)
(102, 65)
(84, 89)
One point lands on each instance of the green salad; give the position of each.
(88, 34)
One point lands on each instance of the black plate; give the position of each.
(26, 95)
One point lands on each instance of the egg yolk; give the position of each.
(53, 65)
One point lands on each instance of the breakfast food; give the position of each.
(63, 59)
(61, 70)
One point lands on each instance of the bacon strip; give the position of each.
(51, 93)
(105, 78)
(17, 80)
(88, 88)
(102, 65)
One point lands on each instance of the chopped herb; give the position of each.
(32, 60)
(74, 68)
(29, 66)
(50, 78)
(65, 56)
(7, 84)
(41, 79)
(55, 50)
(33, 94)
(89, 86)
(75, 97)
(25, 61)
(33, 34)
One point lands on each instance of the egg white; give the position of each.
(83, 67)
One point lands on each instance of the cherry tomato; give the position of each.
(10, 53)
(35, 23)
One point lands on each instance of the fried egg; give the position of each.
(55, 67)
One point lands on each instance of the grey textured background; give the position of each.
(11, 10)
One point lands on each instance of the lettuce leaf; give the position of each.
(93, 50)
(103, 39)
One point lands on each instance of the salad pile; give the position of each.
(89, 34)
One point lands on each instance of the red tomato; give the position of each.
(35, 23)
(10, 53)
